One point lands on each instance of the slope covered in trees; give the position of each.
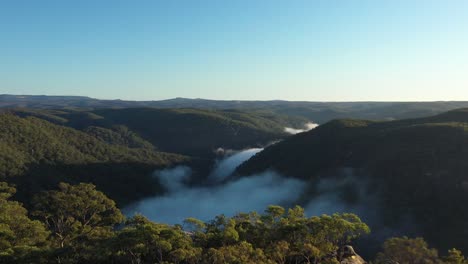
(416, 167)
(191, 132)
(119, 149)
(36, 154)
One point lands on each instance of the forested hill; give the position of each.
(36, 155)
(193, 132)
(357, 143)
(417, 166)
(118, 149)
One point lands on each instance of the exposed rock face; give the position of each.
(349, 256)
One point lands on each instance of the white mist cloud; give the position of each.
(256, 192)
(225, 167)
(307, 127)
(245, 194)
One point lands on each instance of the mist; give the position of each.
(307, 127)
(348, 191)
(215, 196)
(226, 166)
(341, 191)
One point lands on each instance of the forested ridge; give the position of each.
(193, 132)
(414, 167)
(79, 224)
(36, 154)
(118, 149)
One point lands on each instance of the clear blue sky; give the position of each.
(328, 50)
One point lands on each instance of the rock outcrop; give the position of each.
(349, 256)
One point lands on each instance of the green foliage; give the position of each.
(83, 226)
(119, 135)
(40, 148)
(142, 241)
(20, 237)
(405, 250)
(277, 236)
(76, 213)
(36, 141)
(193, 132)
(242, 253)
(36, 155)
(455, 256)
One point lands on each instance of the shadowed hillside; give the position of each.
(417, 167)
(116, 148)
(38, 153)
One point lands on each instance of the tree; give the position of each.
(221, 232)
(454, 256)
(242, 253)
(76, 212)
(142, 241)
(283, 237)
(19, 236)
(404, 250)
(279, 251)
(273, 214)
(337, 229)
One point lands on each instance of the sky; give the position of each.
(314, 50)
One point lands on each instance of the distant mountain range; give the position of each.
(319, 112)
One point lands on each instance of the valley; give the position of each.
(233, 132)
(170, 165)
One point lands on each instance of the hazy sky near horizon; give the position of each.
(317, 50)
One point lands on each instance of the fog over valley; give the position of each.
(220, 193)
(217, 195)
(233, 132)
(308, 126)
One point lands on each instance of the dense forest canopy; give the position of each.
(194, 132)
(79, 224)
(36, 154)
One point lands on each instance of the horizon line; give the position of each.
(237, 100)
